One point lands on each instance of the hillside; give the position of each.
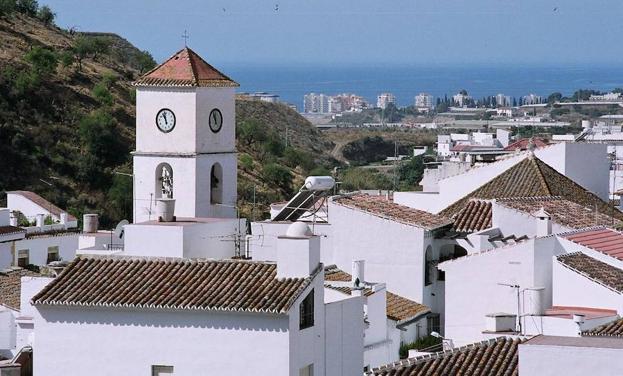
(67, 124)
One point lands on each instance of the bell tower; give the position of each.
(185, 139)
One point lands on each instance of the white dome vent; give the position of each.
(299, 230)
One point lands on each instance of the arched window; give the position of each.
(164, 181)
(428, 266)
(216, 184)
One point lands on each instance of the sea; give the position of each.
(292, 82)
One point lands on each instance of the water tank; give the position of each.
(299, 230)
(90, 223)
(586, 124)
(165, 209)
(535, 301)
(358, 273)
(319, 183)
(40, 220)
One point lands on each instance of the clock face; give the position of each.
(216, 120)
(165, 120)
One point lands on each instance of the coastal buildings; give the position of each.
(531, 99)
(316, 103)
(384, 99)
(424, 102)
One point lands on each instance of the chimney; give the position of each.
(543, 223)
(165, 209)
(13, 221)
(40, 220)
(63, 218)
(298, 252)
(358, 275)
(90, 223)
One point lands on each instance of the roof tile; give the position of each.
(489, 358)
(602, 240)
(384, 208)
(194, 284)
(602, 273)
(185, 68)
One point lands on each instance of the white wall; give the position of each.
(6, 255)
(213, 239)
(473, 289)
(263, 244)
(394, 252)
(193, 342)
(223, 99)
(575, 290)
(511, 221)
(541, 360)
(344, 337)
(38, 247)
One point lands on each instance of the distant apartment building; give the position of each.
(502, 100)
(608, 97)
(532, 99)
(260, 96)
(336, 105)
(462, 99)
(316, 103)
(424, 102)
(384, 99)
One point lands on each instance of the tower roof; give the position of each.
(185, 69)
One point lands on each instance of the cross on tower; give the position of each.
(185, 36)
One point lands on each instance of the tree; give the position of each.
(43, 60)
(99, 133)
(82, 48)
(250, 131)
(411, 172)
(7, 7)
(28, 7)
(46, 15)
(554, 97)
(145, 61)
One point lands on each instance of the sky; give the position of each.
(362, 32)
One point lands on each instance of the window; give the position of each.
(428, 266)
(161, 370)
(433, 323)
(306, 311)
(23, 259)
(53, 254)
(216, 184)
(307, 371)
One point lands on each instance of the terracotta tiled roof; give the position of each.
(334, 274)
(612, 329)
(598, 271)
(384, 208)
(185, 68)
(200, 284)
(495, 357)
(533, 178)
(602, 240)
(9, 230)
(10, 286)
(347, 289)
(522, 144)
(398, 308)
(562, 211)
(42, 202)
(475, 216)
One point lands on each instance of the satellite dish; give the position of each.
(119, 229)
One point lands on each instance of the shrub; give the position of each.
(419, 344)
(246, 162)
(363, 178)
(102, 94)
(43, 60)
(251, 131)
(278, 175)
(46, 15)
(66, 58)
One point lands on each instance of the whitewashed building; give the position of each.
(230, 309)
